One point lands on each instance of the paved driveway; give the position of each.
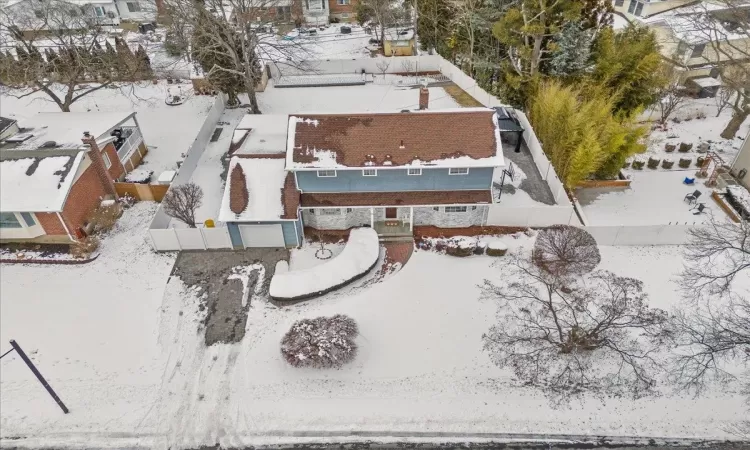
(229, 281)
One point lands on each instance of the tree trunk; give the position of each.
(252, 97)
(735, 123)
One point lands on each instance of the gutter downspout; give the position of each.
(65, 226)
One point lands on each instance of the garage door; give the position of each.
(262, 235)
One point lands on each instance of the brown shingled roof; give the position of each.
(290, 197)
(396, 198)
(372, 139)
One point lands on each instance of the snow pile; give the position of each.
(497, 245)
(358, 257)
(740, 196)
(264, 179)
(139, 176)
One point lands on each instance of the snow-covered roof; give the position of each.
(264, 178)
(398, 34)
(267, 133)
(694, 23)
(66, 128)
(706, 82)
(38, 184)
(456, 137)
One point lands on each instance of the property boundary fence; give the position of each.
(140, 191)
(624, 235)
(161, 219)
(174, 239)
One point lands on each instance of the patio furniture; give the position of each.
(699, 209)
(691, 198)
(689, 181)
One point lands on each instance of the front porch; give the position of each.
(392, 228)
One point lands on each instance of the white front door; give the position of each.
(262, 235)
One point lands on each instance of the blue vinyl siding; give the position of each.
(395, 180)
(287, 229)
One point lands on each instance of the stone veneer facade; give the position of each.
(423, 215)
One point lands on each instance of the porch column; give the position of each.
(138, 126)
(372, 217)
(411, 218)
(67, 230)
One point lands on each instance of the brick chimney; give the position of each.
(424, 97)
(97, 161)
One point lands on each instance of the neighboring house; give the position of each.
(343, 10)
(37, 18)
(278, 11)
(59, 168)
(689, 33)
(399, 42)
(8, 127)
(316, 12)
(388, 171)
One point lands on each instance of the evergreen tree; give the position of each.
(579, 133)
(144, 64)
(435, 18)
(597, 15)
(572, 51)
(628, 66)
(210, 52)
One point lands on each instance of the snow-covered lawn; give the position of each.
(133, 367)
(330, 43)
(340, 99)
(304, 257)
(168, 131)
(653, 198)
(696, 131)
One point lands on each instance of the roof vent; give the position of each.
(405, 110)
(19, 137)
(49, 144)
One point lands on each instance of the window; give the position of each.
(29, 219)
(414, 172)
(619, 2)
(436, 208)
(369, 172)
(343, 2)
(348, 210)
(134, 7)
(458, 171)
(329, 211)
(9, 220)
(455, 209)
(631, 6)
(473, 208)
(639, 9)
(99, 11)
(697, 51)
(326, 173)
(107, 162)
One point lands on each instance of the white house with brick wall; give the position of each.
(58, 168)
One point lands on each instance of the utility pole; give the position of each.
(36, 372)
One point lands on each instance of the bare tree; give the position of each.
(715, 255)
(57, 48)
(563, 250)
(321, 342)
(408, 66)
(712, 328)
(383, 64)
(597, 337)
(228, 44)
(670, 99)
(722, 99)
(182, 201)
(383, 13)
(721, 32)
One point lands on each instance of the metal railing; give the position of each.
(132, 142)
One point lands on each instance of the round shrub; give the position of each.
(497, 248)
(667, 163)
(684, 147)
(321, 342)
(638, 165)
(653, 163)
(669, 148)
(84, 247)
(626, 164)
(562, 250)
(685, 163)
(460, 249)
(700, 161)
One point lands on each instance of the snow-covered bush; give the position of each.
(562, 250)
(461, 246)
(638, 163)
(104, 217)
(667, 163)
(684, 147)
(653, 163)
(669, 148)
(497, 248)
(685, 163)
(321, 342)
(85, 247)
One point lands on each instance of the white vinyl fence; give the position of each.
(174, 239)
(640, 234)
(392, 64)
(161, 219)
(533, 216)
